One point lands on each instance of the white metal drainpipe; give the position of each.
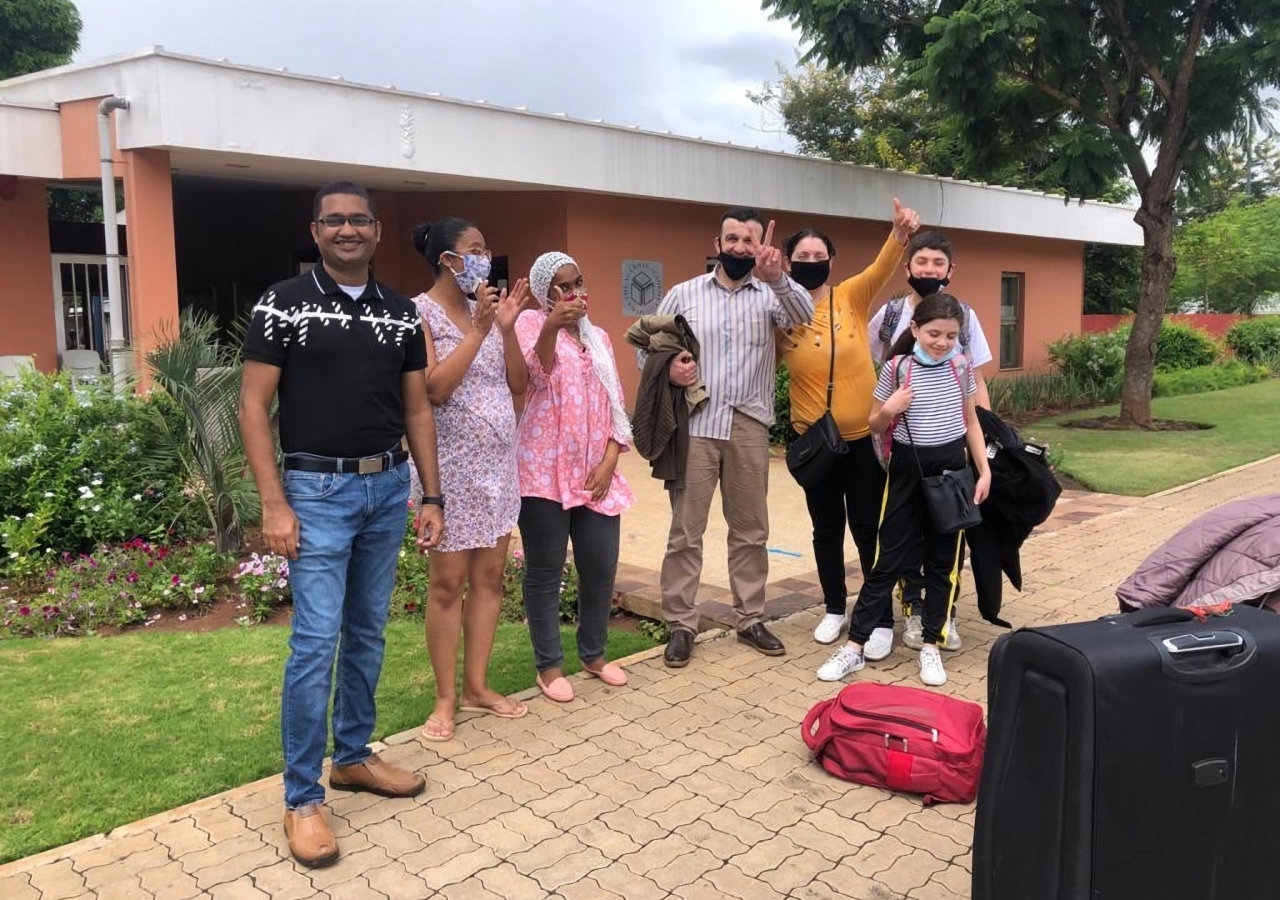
(119, 353)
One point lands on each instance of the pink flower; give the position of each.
(175, 581)
(24, 611)
(132, 578)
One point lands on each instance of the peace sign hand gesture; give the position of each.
(768, 258)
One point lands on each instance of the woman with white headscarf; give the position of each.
(573, 428)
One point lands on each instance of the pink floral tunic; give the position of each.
(566, 424)
(475, 438)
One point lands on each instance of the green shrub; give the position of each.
(781, 406)
(1256, 340)
(72, 461)
(1183, 347)
(1050, 391)
(1202, 379)
(1091, 359)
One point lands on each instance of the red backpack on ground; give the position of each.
(901, 738)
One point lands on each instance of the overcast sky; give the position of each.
(668, 65)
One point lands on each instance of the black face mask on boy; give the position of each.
(926, 286)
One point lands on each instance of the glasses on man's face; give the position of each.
(336, 222)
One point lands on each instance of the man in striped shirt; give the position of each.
(734, 312)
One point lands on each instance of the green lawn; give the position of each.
(1246, 424)
(103, 731)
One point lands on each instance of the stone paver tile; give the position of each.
(500, 839)
(538, 749)
(928, 819)
(129, 888)
(169, 882)
(471, 889)
(500, 765)
(745, 830)
(842, 883)
(283, 881)
(100, 876)
(686, 763)
(348, 866)
(641, 736)
(570, 869)
(394, 837)
(588, 810)
(641, 779)
(888, 812)
(612, 844)
(220, 823)
(546, 778)
(560, 800)
(935, 891)
(184, 836)
(911, 872)
(956, 879)
(660, 756)
(386, 808)
(449, 776)
(862, 800)
(708, 742)
(427, 824)
(18, 887)
(57, 881)
(473, 805)
(730, 881)
(606, 784)
(815, 792)
(597, 724)
(115, 851)
(533, 827)
(236, 867)
(622, 881)
(358, 888)
(656, 855)
(438, 853)
(701, 784)
(547, 853)
(702, 834)
(586, 889)
(671, 723)
(683, 813)
(940, 845)
(616, 747)
(785, 813)
(766, 855)
(797, 871)
(594, 765)
(878, 855)
(519, 789)
(625, 820)
(240, 889)
(833, 843)
(751, 758)
(398, 883)
(660, 800)
(458, 868)
(219, 853)
(507, 882)
(686, 869)
(471, 747)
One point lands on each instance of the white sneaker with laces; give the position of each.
(880, 645)
(952, 640)
(932, 672)
(913, 633)
(845, 661)
(829, 629)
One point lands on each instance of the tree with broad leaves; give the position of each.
(1167, 78)
(37, 34)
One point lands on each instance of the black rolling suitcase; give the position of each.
(1136, 757)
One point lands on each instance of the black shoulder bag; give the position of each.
(949, 496)
(812, 455)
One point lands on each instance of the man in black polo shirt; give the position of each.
(346, 355)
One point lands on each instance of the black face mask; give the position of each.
(811, 275)
(736, 268)
(926, 286)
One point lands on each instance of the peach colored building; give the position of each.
(218, 163)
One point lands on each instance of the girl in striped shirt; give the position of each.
(926, 393)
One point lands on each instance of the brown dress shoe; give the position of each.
(311, 841)
(377, 777)
(762, 639)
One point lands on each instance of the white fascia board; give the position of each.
(30, 141)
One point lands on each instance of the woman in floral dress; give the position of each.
(573, 428)
(474, 367)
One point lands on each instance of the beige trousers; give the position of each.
(740, 466)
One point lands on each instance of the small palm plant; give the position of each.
(202, 376)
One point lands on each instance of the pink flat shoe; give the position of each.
(559, 690)
(609, 674)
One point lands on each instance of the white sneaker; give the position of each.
(880, 645)
(845, 661)
(913, 633)
(932, 671)
(829, 629)
(952, 640)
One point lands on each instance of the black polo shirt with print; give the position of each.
(341, 362)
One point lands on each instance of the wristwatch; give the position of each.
(433, 501)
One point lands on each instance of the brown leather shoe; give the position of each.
(311, 841)
(377, 777)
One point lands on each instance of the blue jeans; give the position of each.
(351, 530)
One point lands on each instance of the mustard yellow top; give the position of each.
(805, 351)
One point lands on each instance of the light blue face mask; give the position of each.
(475, 271)
(922, 355)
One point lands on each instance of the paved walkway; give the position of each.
(687, 784)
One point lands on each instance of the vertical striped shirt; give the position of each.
(937, 413)
(735, 330)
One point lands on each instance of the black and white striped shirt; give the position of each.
(735, 331)
(936, 415)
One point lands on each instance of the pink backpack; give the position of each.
(901, 738)
(883, 443)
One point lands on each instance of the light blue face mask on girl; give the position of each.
(922, 356)
(475, 271)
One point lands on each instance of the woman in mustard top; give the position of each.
(853, 491)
